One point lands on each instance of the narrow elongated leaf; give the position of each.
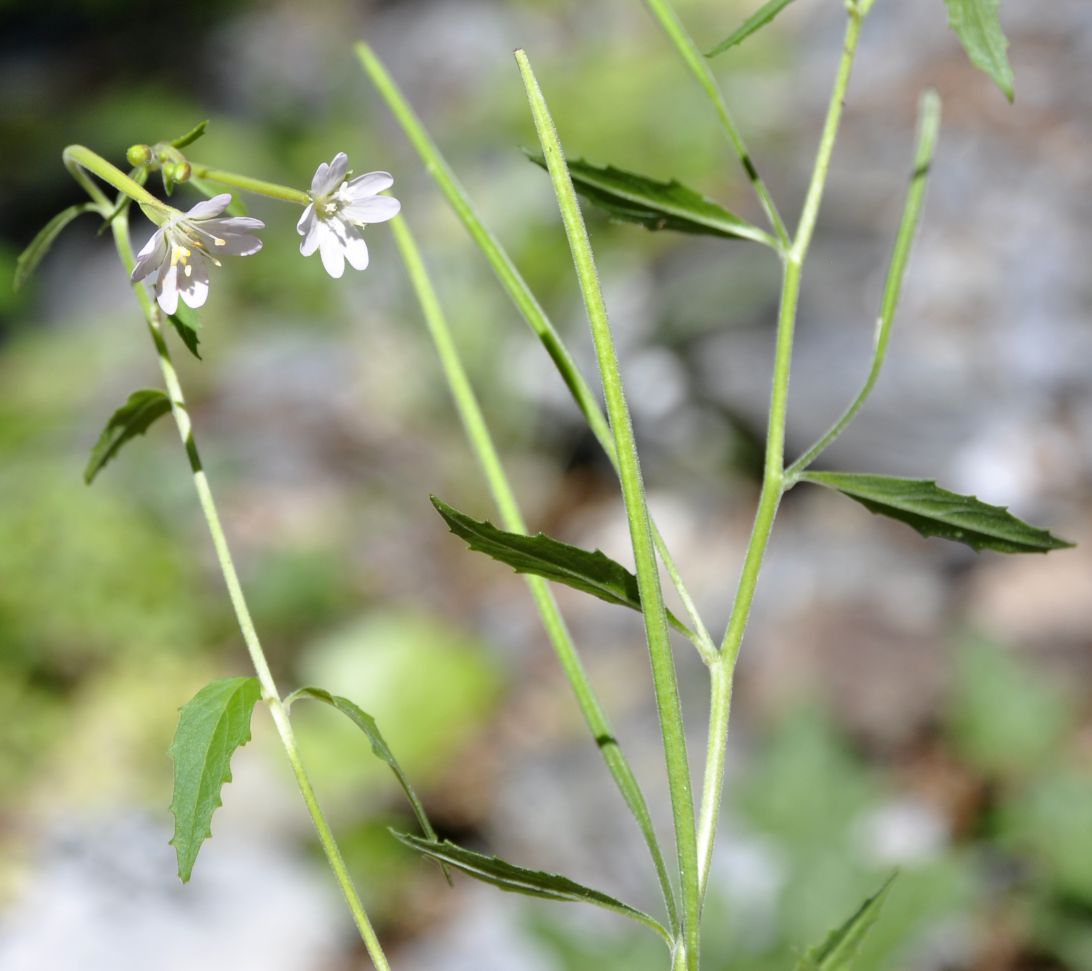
(187, 324)
(633, 198)
(755, 22)
(977, 24)
(367, 724)
(839, 949)
(211, 727)
(933, 511)
(192, 135)
(29, 259)
(516, 879)
(131, 419)
(594, 573)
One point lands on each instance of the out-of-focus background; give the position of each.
(900, 702)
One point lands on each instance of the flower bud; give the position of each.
(182, 172)
(138, 154)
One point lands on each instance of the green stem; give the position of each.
(80, 160)
(665, 682)
(520, 294)
(120, 228)
(481, 440)
(703, 74)
(773, 480)
(928, 130)
(258, 186)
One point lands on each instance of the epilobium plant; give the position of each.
(177, 260)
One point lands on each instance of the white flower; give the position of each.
(180, 251)
(334, 222)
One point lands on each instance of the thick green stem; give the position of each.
(481, 441)
(80, 160)
(120, 228)
(665, 682)
(260, 187)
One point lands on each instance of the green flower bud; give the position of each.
(138, 154)
(182, 172)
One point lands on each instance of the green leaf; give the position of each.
(541, 555)
(192, 135)
(235, 208)
(933, 511)
(977, 24)
(633, 198)
(131, 419)
(516, 879)
(367, 724)
(211, 726)
(29, 259)
(837, 952)
(765, 14)
(186, 322)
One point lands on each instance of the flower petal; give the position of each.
(194, 283)
(151, 257)
(236, 224)
(373, 209)
(356, 250)
(329, 177)
(331, 251)
(307, 221)
(167, 290)
(209, 208)
(369, 184)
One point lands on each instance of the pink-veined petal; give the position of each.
(356, 250)
(151, 256)
(368, 184)
(210, 208)
(374, 209)
(193, 283)
(167, 290)
(331, 251)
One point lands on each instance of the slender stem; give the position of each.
(665, 681)
(120, 228)
(773, 480)
(258, 186)
(481, 441)
(928, 130)
(703, 74)
(78, 159)
(520, 294)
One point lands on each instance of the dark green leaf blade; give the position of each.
(594, 573)
(933, 511)
(516, 879)
(634, 198)
(131, 419)
(29, 259)
(187, 324)
(756, 21)
(367, 724)
(191, 136)
(977, 24)
(839, 949)
(211, 726)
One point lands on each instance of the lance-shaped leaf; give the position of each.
(131, 419)
(933, 511)
(756, 21)
(531, 883)
(977, 24)
(29, 259)
(633, 198)
(367, 724)
(187, 324)
(594, 573)
(839, 950)
(211, 727)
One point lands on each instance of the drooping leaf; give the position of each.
(977, 24)
(131, 419)
(186, 323)
(633, 198)
(367, 724)
(211, 726)
(839, 949)
(933, 511)
(755, 22)
(192, 135)
(29, 259)
(516, 879)
(235, 208)
(594, 573)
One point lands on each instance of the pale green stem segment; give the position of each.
(928, 130)
(120, 228)
(773, 480)
(520, 294)
(481, 440)
(258, 186)
(80, 160)
(703, 74)
(664, 678)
